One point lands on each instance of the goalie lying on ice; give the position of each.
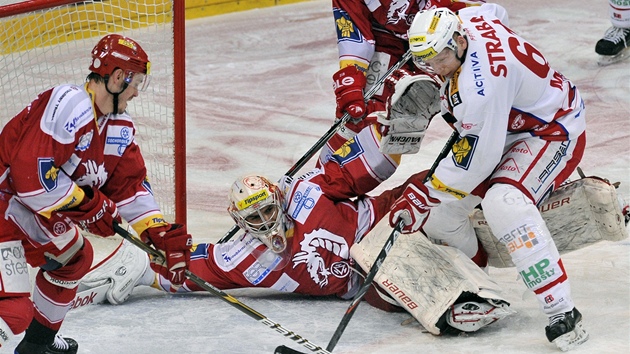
(291, 243)
(402, 280)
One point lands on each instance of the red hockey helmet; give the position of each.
(115, 51)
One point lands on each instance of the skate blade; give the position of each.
(605, 60)
(571, 339)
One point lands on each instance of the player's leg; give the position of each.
(55, 289)
(510, 210)
(449, 224)
(614, 45)
(16, 308)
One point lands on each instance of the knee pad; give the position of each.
(69, 274)
(449, 224)
(516, 222)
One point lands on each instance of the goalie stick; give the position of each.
(329, 134)
(389, 243)
(226, 297)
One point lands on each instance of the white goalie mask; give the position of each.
(256, 207)
(431, 32)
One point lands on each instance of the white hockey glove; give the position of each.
(415, 99)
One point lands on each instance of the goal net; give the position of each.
(44, 43)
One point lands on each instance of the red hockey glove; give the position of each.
(96, 213)
(349, 83)
(174, 243)
(412, 207)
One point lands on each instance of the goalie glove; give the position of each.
(174, 243)
(414, 100)
(95, 214)
(412, 207)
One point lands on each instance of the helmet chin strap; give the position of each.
(115, 94)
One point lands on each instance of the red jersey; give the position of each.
(322, 223)
(58, 143)
(364, 26)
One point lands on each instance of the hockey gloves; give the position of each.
(96, 213)
(412, 207)
(174, 243)
(349, 83)
(413, 100)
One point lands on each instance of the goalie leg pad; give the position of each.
(424, 278)
(565, 212)
(124, 270)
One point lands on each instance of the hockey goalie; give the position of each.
(447, 293)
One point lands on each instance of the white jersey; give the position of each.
(504, 91)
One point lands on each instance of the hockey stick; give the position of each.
(377, 262)
(226, 297)
(329, 134)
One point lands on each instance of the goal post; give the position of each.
(44, 43)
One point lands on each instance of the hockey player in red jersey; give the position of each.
(70, 161)
(371, 37)
(521, 128)
(290, 241)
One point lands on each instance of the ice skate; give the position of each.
(123, 270)
(61, 345)
(614, 46)
(565, 330)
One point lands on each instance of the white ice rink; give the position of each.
(259, 94)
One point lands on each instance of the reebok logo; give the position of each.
(82, 301)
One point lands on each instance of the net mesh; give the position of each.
(46, 47)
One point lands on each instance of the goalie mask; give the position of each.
(431, 32)
(256, 207)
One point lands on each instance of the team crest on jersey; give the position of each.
(309, 254)
(397, 11)
(95, 174)
(345, 28)
(348, 151)
(463, 151)
(48, 173)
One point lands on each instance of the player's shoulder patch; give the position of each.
(464, 150)
(346, 30)
(68, 110)
(349, 151)
(48, 173)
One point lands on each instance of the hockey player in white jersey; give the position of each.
(521, 128)
(613, 47)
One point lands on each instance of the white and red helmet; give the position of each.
(115, 51)
(256, 207)
(432, 31)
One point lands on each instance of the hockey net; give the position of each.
(44, 43)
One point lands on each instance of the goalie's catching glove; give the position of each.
(174, 243)
(95, 214)
(412, 207)
(414, 99)
(349, 83)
